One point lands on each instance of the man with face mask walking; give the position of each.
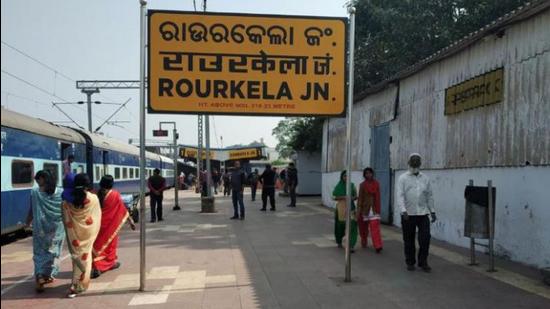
(416, 205)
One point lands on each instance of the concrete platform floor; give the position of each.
(282, 259)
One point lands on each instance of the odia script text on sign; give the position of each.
(246, 64)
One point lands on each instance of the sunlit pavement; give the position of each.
(282, 259)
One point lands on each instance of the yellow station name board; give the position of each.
(251, 153)
(217, 63)
(192, 153)
(481, 90)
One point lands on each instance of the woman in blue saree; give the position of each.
(48, 229)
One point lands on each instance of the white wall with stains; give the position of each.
(522, 213)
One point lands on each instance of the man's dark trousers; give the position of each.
(409, 230)
(268, 192)
(237, 197)
(292, 189)
(253, 188)
(156, 206)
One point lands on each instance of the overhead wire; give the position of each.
(56, 72)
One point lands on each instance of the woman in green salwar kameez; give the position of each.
(339, 194)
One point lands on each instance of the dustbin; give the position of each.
(476, 218)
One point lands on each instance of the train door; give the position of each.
(66, 150)
(105, 165)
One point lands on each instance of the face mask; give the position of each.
(414, 170)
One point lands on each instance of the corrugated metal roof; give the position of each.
(523, 12)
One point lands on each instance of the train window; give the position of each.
(53, 168)
(80, 169)
(22, 173)
(97, 173)
(137, 172)
(117, 172)
(125, 173)
(131, 173)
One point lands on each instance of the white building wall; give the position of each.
(522, 213)
(508, 142)
(329, 182)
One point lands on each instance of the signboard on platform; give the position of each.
(192, 153)
(237, 64)
(481, 90)
(249, 153)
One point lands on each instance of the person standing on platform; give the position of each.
(416, 204)
(253, 181)
(113, 216)
(282, 176)
(368, 210)
(238, 181)
(215, 180)
(157, 185)
(267, 179)
(82, 220)
(67, 165)
(226, 183)
(48, 230)
(292, 181)
(339, 195)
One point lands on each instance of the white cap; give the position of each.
(415, 154)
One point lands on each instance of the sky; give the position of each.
(99, 40)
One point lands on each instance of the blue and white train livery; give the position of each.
(30, 145)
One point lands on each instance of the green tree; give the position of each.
(390, 36)
(299, 134)
(394, 34)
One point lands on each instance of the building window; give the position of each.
(117, 172)
(53, 168)
(22, 173)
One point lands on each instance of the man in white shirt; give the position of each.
(416, 205)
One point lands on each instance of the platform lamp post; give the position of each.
(161, 132)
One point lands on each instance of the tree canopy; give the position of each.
(394, 34)
(390, 36)
(294, 134)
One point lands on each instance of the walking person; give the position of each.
(292, 181)
(82, 219)
(416, 204)
(339, 195)
(237, 189)
(368, 210)
(157, 185)
(226, 183)
(253, 181)
(48, 230)
(113, 216)
(282, 176)
(267, 179)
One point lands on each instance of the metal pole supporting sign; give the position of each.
(143, 12)
(349, 201)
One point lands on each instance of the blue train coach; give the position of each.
(30, 145)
